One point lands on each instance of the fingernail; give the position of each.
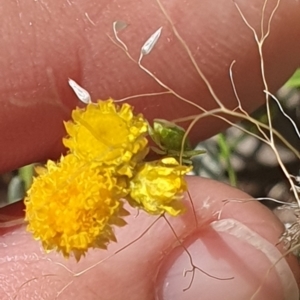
(235, 264)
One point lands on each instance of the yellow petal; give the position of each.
(158, 187)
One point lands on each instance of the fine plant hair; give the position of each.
(220, 112)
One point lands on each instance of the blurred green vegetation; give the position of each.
(294, 81)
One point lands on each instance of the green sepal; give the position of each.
(168, 138)
(170, 135)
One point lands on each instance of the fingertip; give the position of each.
(235, 263)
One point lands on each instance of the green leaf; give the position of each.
(294, 81)
(26, 174)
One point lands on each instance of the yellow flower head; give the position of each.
(71, 207)
(158, 187)
(108, 135)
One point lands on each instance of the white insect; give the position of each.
(82, 94)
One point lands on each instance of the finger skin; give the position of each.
(45, 43)
(132, 273)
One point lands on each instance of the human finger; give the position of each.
(45, 43)
(236, 242)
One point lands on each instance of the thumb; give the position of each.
(237, 251)
(151, 263)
